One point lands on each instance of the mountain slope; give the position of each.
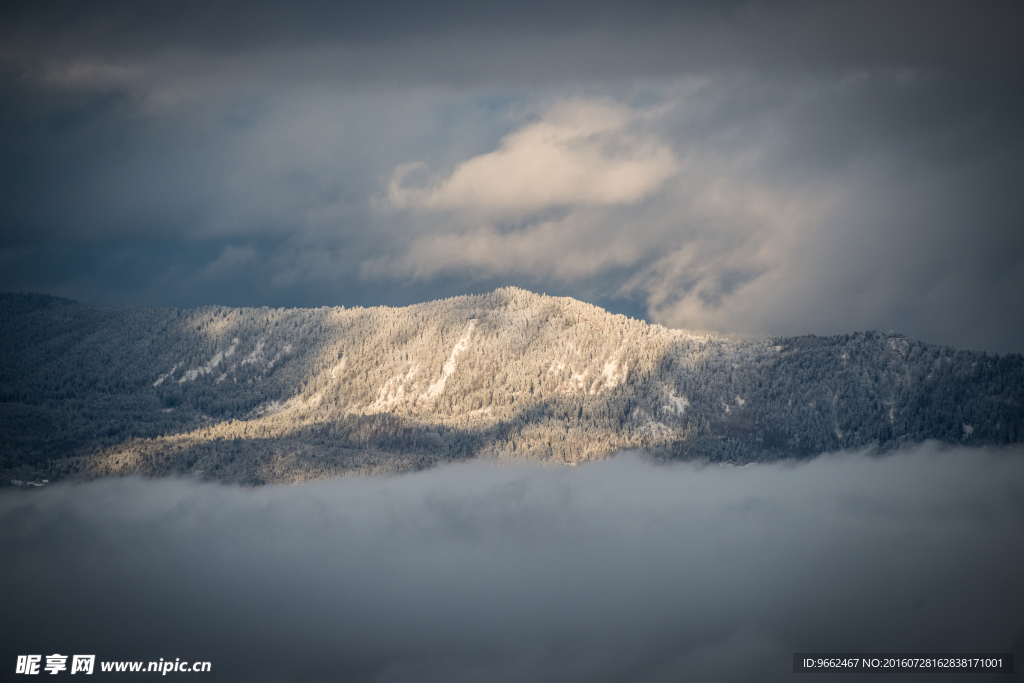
(263, 395)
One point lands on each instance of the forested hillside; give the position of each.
(267, 395)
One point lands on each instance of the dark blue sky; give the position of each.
(778, 168)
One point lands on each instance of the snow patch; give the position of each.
(256, 355)
(676, 404)
(205, 370)
(393, 391)
(556, 367)
(436, 389)
(161, 378)
(576, 382)
(610, 370)
(612, 374)
(657, 430)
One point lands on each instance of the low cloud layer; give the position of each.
(619, 570)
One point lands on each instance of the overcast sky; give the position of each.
(773, 168)
(614, 571)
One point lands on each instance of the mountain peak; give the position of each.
(290, 394)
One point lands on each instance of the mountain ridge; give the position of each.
(259, 395)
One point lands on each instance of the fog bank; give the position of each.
(621, 570)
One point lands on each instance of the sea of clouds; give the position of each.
(622, 570)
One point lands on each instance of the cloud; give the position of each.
(560, 249)
(778, 168)
(709, 221)
(785, 214)
(90, 75)
(465, 42)
(580, 153)
(618, 570)
(732, 267)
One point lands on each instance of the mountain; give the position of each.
(259, 395)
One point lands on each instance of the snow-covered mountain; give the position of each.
(267, 395)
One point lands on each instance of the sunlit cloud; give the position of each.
(703, 231)
(560, 249)
(580, 153)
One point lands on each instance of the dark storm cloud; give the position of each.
(705, 33)
(620, 570)
(823, 167)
